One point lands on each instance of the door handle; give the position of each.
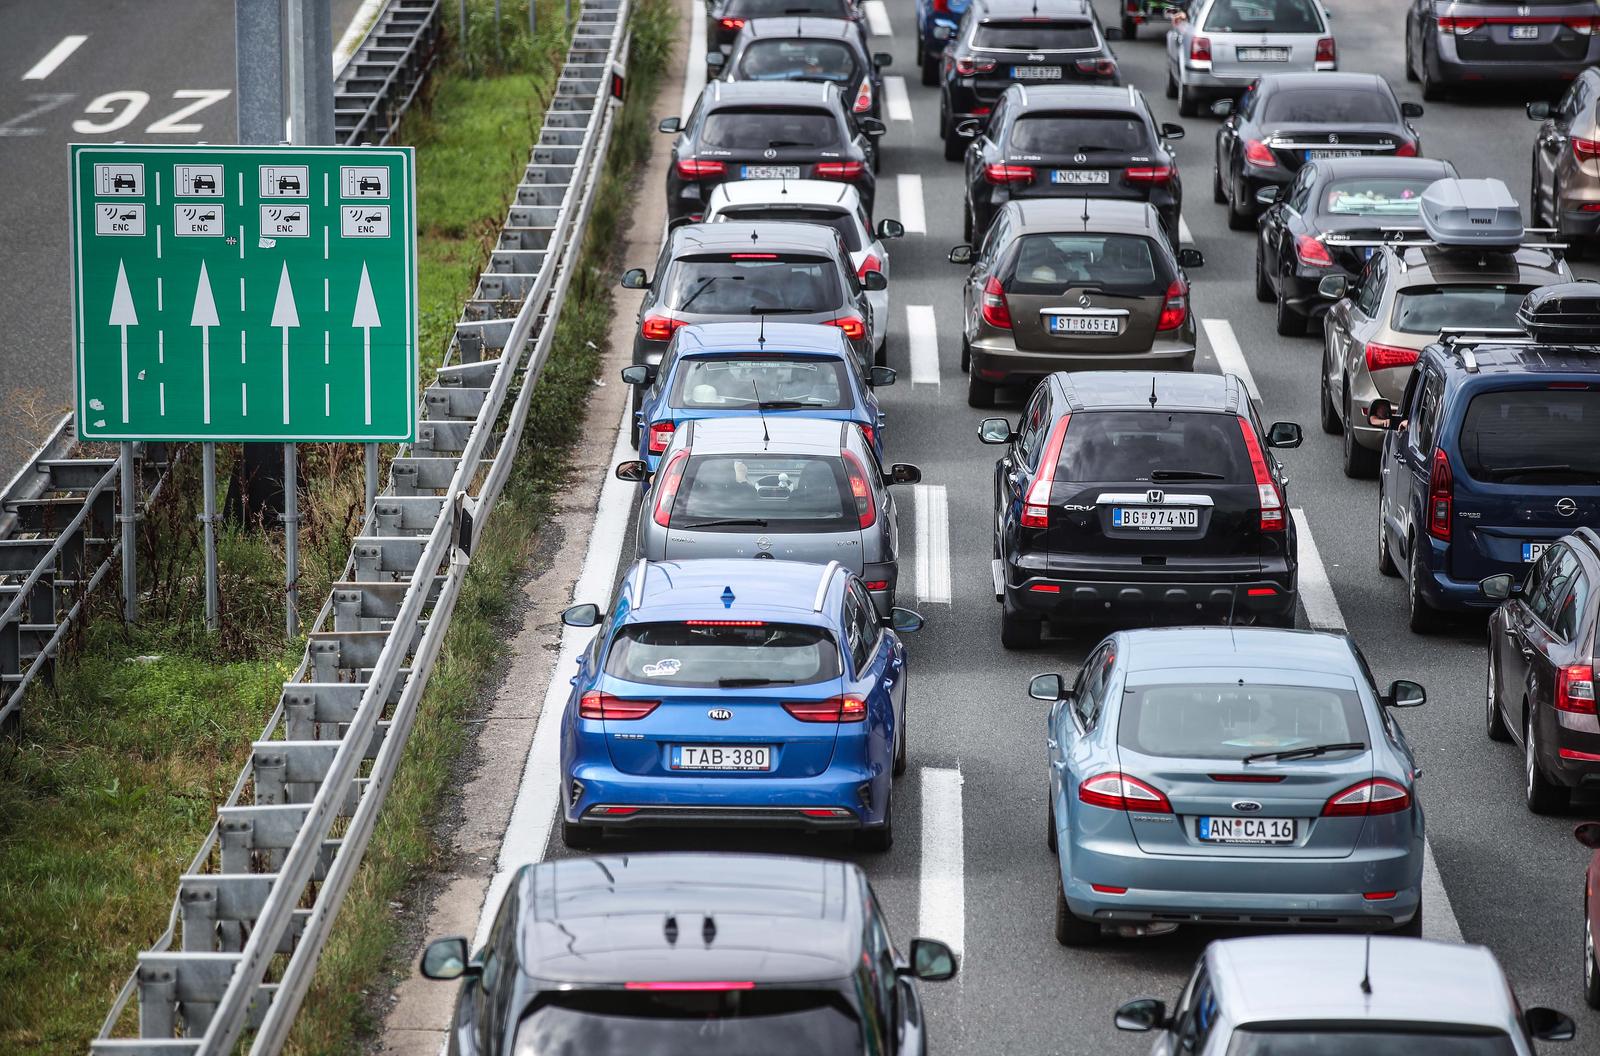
(1050, 742)
(1526, 651)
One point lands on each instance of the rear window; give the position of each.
(1328, 106)
(1080, 134)
(1048, 263)
(1374, 196)
(798, 60)
(1162, 447)
(749, 283)
(1231, 721)
(705, 654)
(769, 127)
(765, 493)
(1429, 309)
(1325, 1042)
(848, 228)
(766, 8)
(1533, 436)
(1264, 16)
(737, 382)
(1036, 36)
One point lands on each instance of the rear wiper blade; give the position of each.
(788, 143)
(726, 522)
(1307, 752)
(780, 405)
(758, 310)
(1511, 471)
(1184, 474)
(745, 683)
(698, 290)
(1085, 148)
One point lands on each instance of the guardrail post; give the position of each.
(128, 517)
(158, 1001)
(371, 455)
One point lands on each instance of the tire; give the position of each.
(1421, 617)
(880, 839)
(1018, 631)
(1411, 71)
(1359, 463)
(1290, 322)
(1188, 102)
(901, 737)
(1218, 195)
(880, 355)
(1070, 930)
(966, 355)
(966, 223)
(1541, 794)
(1432, 89)
(1239, 220)
(581, 837)
(1327, 415)
(1130, 29)
(1591, 966)
(1172, 84)
(979, 393)
(954, 145)
(1264, 291)
(1494, 721)
(1413, 927)
(1386, 565)
(929, 64)
(1050, 822)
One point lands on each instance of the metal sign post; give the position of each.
(291, 537)
(128, 516)
(208, 453)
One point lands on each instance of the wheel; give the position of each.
(1239, 219)
(1050, 821)
(954, 145)
(979, 393)
(966, 355)
(1264, 291)
(1493, 720)
(1218, 195)
(966, 223)
(1130, 28)
(1543, 796)
(900, 738)
(1360, 463)
(1188, 102)
(881, 838)
(638, 405)
(581, 837)
(1277, 619)
(1327, 414)
(1070, 930)
(1172, 84)
(1432, 89)
(1413, 927)
(1290, 321)
(1018, 631)
(929, 63)
(1420, 616)
(1411, 71)
(1591, 967)
(880, 355)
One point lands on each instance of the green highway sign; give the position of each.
(244, 293)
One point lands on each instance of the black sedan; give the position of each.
(752, 130)
(1358, 198)
(725, 18)
(1286, 120)
(827, 50)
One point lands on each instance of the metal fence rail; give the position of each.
(257, 902)
(383, 75)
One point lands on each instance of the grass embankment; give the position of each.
(121, 766)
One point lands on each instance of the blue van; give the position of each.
(936, 26)
(1494, 452)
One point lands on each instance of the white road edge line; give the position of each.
(942, 913)
(1230, 357)
(933, 543)
(908, 188)
(895, 100)
(1185, 236)
(922, 335)
(55, 57)
(694, 69)
(878, 18)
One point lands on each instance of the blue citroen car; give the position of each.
(1231, 776)
(723, 692)
(739, 370)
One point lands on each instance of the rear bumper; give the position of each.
(1204, 82)
(1002, 363)
(1442, 591)
(1579, 736)
(704, 799)
(1299, 289)
(1450, 67)
(1078, 597)
(1577, 223)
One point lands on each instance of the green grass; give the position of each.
(121, 766)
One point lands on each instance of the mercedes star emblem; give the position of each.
(1333, 137)
(769, 153)
(1566, 507)
(1080, 158)
(1083, 300)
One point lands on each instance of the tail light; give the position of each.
(659, 327)
(1385, 357)
(661, 436)
(1175, 309)
(941, 7)
(1259, 154)
(996, 310)
(1441, 496)
(1326, 52)
(667, 487)
(1575, 689)
(968, 67)
(695, 984)
(863, 101)
(1585, 149)
(597, 705)
(854, 327)
(1200, 53)
(1150, 174)
(1312, 252)
(1406, 149)
(1098, 67)
(1458, 25)
(876, 584)
(1581, 24)
(700, 168)
(866, 509)
(836, 170)
(731, 23)
(1008, 173)
(871, 435)
(1036, 503)
(871, 263)
(847, 708)
(1118, 791)
(1272, 519)
(1377, 795)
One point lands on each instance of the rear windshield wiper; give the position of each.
(788, 143)
(756, 309)
(1307, 752)
(698, 290)
(1094, 146)
(1502, 472)
(1184, 474)
(744, 683)
(726, 522)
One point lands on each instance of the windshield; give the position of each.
(751, 283)
(1264, 16)
(1035, 36)
(1374, 196)
(701, 655)
(735, 382)
(1336, 1042)
(1327, 106)
(1429, 309)
(1533, 436)
(798, 60)
(767, 8)
(759, 493)
(849, 229)
(1231, 721)
(1049, 263)
(1079, 134)
(1172, 445)
(769, 127)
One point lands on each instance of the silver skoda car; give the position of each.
(790, 488)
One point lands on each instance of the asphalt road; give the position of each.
(139, 64)
(970, 864)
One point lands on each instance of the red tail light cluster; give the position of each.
(836, 170)
(866, 508)
(1118, 791)
(1098, 67)
(659, 327)
(847, 708)
(1175, 309)
(995, 309)
(1000, 174)
(1461, 26)
(1575, 689)
(731, 23)
(1384, 357)
(1406, 149)
(693, 984)
(1312, 252)
(1585, 149)
(1259, 154)
(863, 101)
(1326, 52)
(661, 436)
(1200, 53)
(941, 7)
(1441, 496)
(597, 705)
(667, 487)
(871, 263)
(700, 168)
(1036, 503)
(1150, 174)
(968, 67)
(1377, 795)
(854, 327)
(1272, 513)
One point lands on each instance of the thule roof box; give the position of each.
(1563, 313)
(1471, 214)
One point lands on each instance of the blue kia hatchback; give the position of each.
(720, 692)
(1494, 452)
(740, 370)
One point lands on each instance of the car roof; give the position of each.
(699, 338)
(793, 26)
(788, 192)
(1279, 978)
(754, 236)
(1076, 96)
(1049, 10)
(1334, 80)
(763, 918)
(777, 434)
(775, 93)
(1506, 360)
(731, 589)
(1086, 215)
(1162, 648)
(1130, 389)
(1427, 265)
(1340, 168)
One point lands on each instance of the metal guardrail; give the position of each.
(257, 902)
(384, 74)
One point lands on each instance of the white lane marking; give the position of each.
(878, 18)
(908, 187)
(54, 57)
(1185, 236)
(895, 99)
(933, 543)
(943, 909)
(365, 15)
(694, 70)
(923, 336)
(1439, 923)
(1230, 357)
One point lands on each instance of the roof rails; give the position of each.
(1461, 214)
(638, 584)
(822, 586)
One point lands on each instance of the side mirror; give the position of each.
(1410, 109)
(873, 281)
(996, 431)
(585, 615)
(879, 377)
(969, 128)
(1539, 111)
(1497, 588)
(1171, 131)
(1284, 434)
(961, 254)
(1546, 1024)
(1189, 257)
(1113, 32)
(881, 59)
(905, 621)
(1381, 413)
(1404, 693)
(1333, 287)
(635, 279)
(1268, 194)
(633, 471)
(932, 960)
(1050, 688)
(890, 229)
(670, 124)
(715, 60)
(1141, 1015)
(1222, 107)
(1588, 834)
(447, 958)
(638, 374)
(904, 473)
(871, 126)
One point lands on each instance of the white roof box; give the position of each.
(1471, 214)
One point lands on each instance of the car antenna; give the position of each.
(1085, 205)
(671, 930)
(765, 439)
(708, 930)
(1366, 970)
(761, 334)
(1152, 392)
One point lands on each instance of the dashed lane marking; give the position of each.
(895, 99)
(922, 335)
(943, 906)
(933, 543)
(1230, 357)
(54, 57)
(908, 187)
(878, 18)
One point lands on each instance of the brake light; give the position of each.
(1458, 25)
(1098, 67)
(854, 327)
(1036, 503)
(1575, 689)
(941, 7)
(1200, 53)
(659, 327)
(1109, 889)
(1406, 149)
(866, 509)
(1585, 149)
(724, 623)
(1581, 24)
(667, 487)
(836, 170)
(1175, 309)
(863, 101)
(661, 436)
(871, 435)
(1008, 173)
(1384, 357)
(846, 708)
(695, 985)
(968, 67)
(871, 263)
(1377, 795)
(1325, 51)
(699, 168)
(1312, 252)
(876, 584)
(1441, 496)
(1118, 791)
(996, 310)
(597, 705)
(1259, 154)
(1272, 518)
(731, 23)
(1150, 174)
(752, 256)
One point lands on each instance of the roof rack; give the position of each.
(1563, 313)
(1478, 215)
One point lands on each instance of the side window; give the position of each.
(1086, 702)
(879, 950)
(1197, 1012)
(1247, 104)
(1300, 194)
(860, 626)
(1570, 102)
(996, 121)
(1035, 420)
(1570, 605)
(1559, 566)
(996, 239)
(1372, 280)
(1428, 412)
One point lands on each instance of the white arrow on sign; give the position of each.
(123, 316)
(366, 318)
(205, 317)
(285, 316)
